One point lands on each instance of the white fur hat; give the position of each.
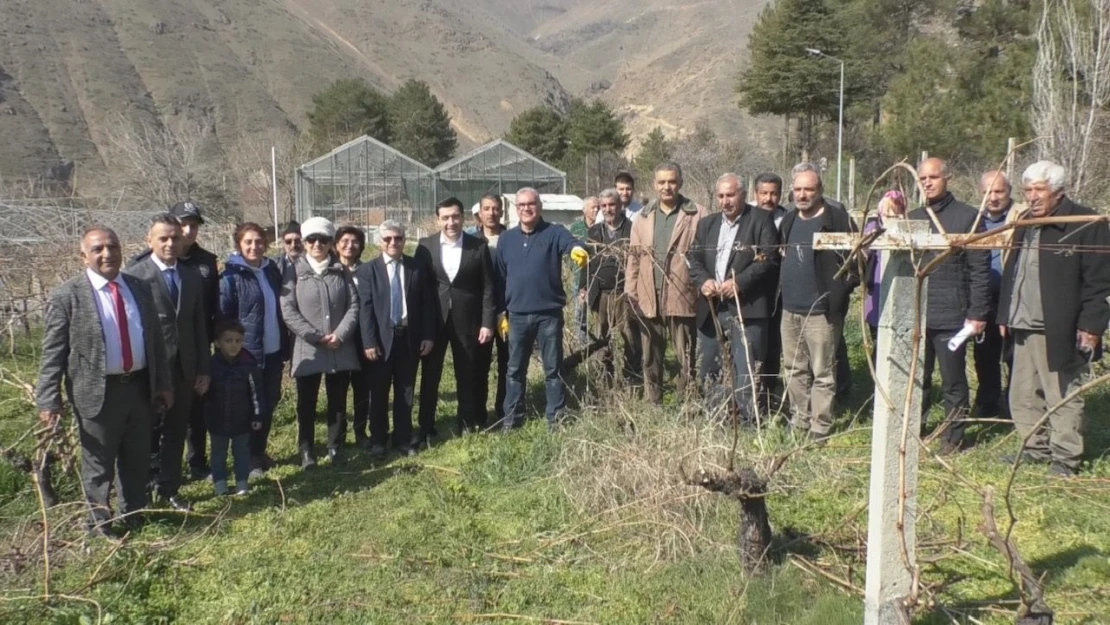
(318, 226)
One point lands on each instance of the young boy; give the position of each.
(232, 405)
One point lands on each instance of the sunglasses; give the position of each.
(322, 240)
(293, 242)
(397, 239)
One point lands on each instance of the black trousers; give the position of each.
(308, 391)
(360, 389)
(953, 385)
(989, 356)
(115, 447)
(399, 373)
(482, 369)
(464, 355)
(170, 431)
(196, 437)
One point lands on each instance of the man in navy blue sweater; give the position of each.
(529, 260)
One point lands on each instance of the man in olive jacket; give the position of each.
(1053, 300)
(657, 280)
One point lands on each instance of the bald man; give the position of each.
(101, 342)
(958, 295)
(998, 210)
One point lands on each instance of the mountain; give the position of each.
(70, 69)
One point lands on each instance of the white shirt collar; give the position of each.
(99, 281)
(445, 243)
(161, 265)
(732, 222)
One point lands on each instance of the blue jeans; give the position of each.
(525, 330)
(240, 449)
(711, 370)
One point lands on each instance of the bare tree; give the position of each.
(704, 158)
(170, 162)
(250, 161)
(1071, 85)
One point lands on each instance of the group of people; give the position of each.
(743, 287)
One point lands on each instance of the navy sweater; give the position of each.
(530, 266)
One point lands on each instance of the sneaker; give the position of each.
(377, 451)
(308, 459)
(220, 487)
(333, 455)
(241, 488)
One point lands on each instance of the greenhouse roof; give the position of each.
(498, 159)
(364, 154)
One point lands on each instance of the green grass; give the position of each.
(590, 524)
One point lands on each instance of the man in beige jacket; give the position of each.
(657, 282)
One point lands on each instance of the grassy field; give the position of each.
(591, 524)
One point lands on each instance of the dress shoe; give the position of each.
(377, 452)
(199, 473)
(177, 503)
(949, 447)
(1059, 469)
(333, 455)
(406, 451)
(268, 462)
(1026, 458)
(308, 459)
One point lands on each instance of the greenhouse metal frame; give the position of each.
(362, 178)
(498, 167)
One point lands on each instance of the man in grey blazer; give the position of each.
(179, 299)
(95, 341)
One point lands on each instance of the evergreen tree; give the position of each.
(420, 124)
(654, 149)
(781, 79)
(348, 108)
(594, 128)
(541, 131)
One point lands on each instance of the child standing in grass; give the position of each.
(232, 405)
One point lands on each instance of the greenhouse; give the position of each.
(498, 167)
(364, 182)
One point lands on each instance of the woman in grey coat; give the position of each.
(319, 304)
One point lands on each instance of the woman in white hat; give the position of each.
(319, 304)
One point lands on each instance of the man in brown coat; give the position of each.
(657, 281)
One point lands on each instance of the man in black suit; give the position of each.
(463, 271)
(101, 344)
(397, 320)
(195, 256)
(179, 299)
(489, 230)
(734, 259)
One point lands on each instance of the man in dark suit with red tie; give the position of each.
(397, 321)
(463, 271)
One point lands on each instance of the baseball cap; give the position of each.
(187, 210)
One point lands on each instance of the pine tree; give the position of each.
(594, 128)
(420, 124)
(348, 108)
(540, 131)
(654, 149)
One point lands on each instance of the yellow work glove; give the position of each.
(580, 257)
(503, 327)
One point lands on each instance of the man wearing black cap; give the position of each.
(291, 241)
(195, 256)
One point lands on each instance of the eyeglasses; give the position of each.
(395, 239)
(293, 241)
(318, 239)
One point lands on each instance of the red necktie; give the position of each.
(121, 321)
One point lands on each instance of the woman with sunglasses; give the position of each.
(350, 241)
(320, 306)
(249, 287)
